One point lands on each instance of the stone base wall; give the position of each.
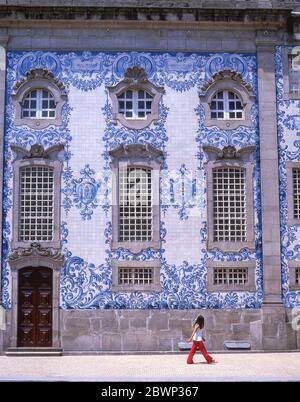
(153, 330)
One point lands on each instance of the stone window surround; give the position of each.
(48, 158)
(290, 165)
(287, 95)
(38, 79)
(249, 287)
(242, 159)
(292, 265)
(153, 287)
(135, 79)
(141, 156)
(35, 256)
(227, 80)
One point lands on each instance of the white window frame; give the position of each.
(36, 208)
(137, 213)
(218, 158)
(249, 285)
(38, 79)
(135, 79)
(53, 158)
(230, 81)
(293, 267)
(39, 104)
(135, 107)
(226, 111)
(154, 286)
(228, 198)
(136, 155)
(290, 166)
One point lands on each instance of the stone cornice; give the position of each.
(11, 16)
(161, 4)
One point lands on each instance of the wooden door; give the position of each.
(35, 307)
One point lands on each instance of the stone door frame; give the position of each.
(53, 261)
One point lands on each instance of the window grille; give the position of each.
(135, 204)
(296, 188)
(297, 276)
(229, 204)
(135, 104)
(39, 104)
(135, 276)
(230, 276)
(226, 105)
(294, 73)
(36, 204)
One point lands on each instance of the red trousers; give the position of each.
(201, 347)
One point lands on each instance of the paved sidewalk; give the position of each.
(229, 367)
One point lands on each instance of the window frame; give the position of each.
(249, 286)
(136, 155)
(240, 159)
(39, 109)
(287, 94)
(230, 81)
(293, 266)
(135, 108)
(135, 79)
(52, 158)
(43, 80)
(226, 109)
(153, 287)
(290, 165)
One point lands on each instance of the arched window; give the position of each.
(226, 105)
(38, 99)
(135, 104)
(135, 100)
(227, 100)
(39, 104)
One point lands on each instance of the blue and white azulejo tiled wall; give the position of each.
(288, 127)
(88, 134)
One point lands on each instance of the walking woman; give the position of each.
(198, 340)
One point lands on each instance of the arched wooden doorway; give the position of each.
(35, 304)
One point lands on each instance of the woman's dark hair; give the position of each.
(200, 321)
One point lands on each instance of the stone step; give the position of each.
(33, 352)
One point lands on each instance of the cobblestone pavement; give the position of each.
(241, 366)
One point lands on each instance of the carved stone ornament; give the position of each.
(36, 250)
(135, 150)
(135, 75)
(36, 151)
(229, 152)
(226, 74)
(37, 73)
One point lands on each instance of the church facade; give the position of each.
(151, 173)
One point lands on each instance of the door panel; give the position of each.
(35, 307)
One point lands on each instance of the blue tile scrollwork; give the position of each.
(88, 285)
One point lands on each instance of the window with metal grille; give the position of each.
(36, 204)
(229, 204)
(135, 204)
(135, 276)
(135, 104)
(226, 105)
(297, 276)
(294, 73)
(39, 104)
(230, 276)
(296, 190)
